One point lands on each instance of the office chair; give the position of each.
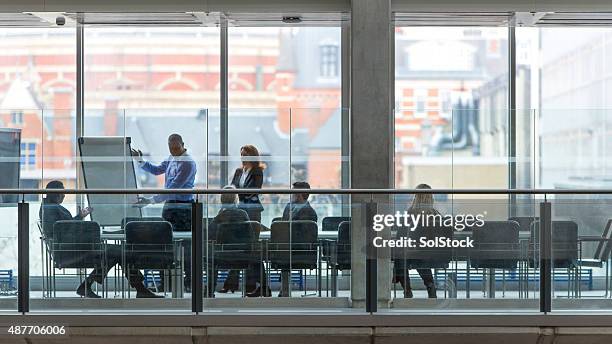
(237, 248)
(149, 245)
(564, 242)
(331, 223)
(293, 246)
(76, 244)
(496, 246)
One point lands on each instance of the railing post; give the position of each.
(371, 261)
(196, 258)
(545, 240)
(23, 257)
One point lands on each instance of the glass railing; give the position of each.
(474, 251)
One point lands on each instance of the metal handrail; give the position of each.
(310, 191)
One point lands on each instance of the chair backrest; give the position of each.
(524, 221)
(331, 223)
(235, 233)
(602, 252)
(293, 244)
(294, 232)
(344, 233)
(148, 233)
(149, 244)
(128, 219)
(76, 244)
(344, 246)
(564, 242)
(496, 245)
(76, 232)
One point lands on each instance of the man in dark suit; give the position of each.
(52, 211)
(298, 209)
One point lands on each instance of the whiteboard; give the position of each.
(10, 154)
(107, 164)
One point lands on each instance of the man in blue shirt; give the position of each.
(179, 170)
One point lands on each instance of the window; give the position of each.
(329, 61)
(17, 117)
(420, 98)
(446, 79)
(149, 82)
(286, 102)
(28, 155)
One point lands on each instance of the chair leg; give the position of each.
(503, 283)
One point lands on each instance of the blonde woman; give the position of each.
(423, 203)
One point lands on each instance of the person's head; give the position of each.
(55, 198)
(423, 200)
(301, 197)
(176, 145)
(249, 156)
(228, 198)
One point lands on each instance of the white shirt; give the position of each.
(243, 177)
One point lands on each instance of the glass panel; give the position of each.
(8, 254)
(461, 253)
(581, 229)
(302, 255)
(479, 143)
(84, 260)
(450, 89)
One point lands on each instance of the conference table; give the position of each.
(118, 235)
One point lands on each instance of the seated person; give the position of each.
(230, 213)
(298, 209)
(52, 211)
(422, 203)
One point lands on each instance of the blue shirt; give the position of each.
(180, 173)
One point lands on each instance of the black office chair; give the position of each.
(407, 258)
(525, 226)
(564, 244)
(331, 223)
(149, 245)
(293, 246)
(237, 247)
(564, 254)
(76, 244)
(496, 246)
(343, 246)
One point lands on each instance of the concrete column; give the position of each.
(371, 129)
